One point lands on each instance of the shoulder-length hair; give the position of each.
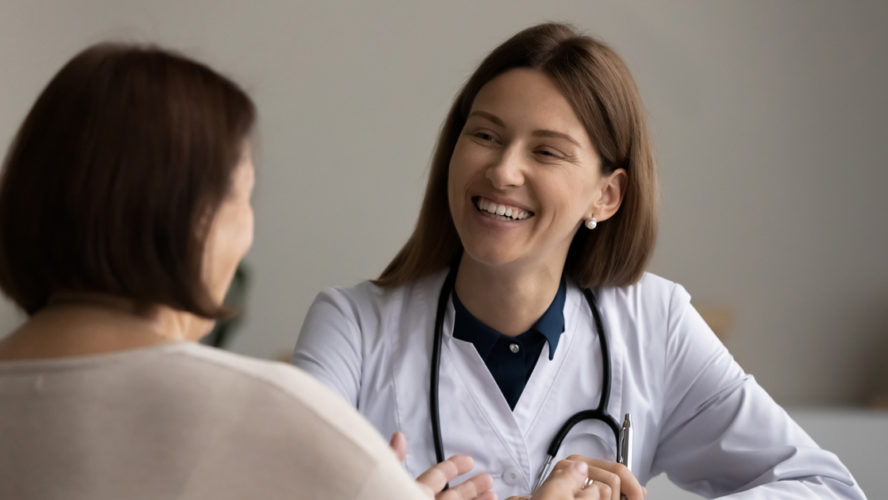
(111, 183)
(604, 97)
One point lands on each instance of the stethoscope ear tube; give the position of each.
(435, 364)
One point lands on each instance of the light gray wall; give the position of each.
(769, 120)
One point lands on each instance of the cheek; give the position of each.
(231, 237)
(466, 164)
(248, 231)
(239, 235)
(582, 186)
(454, 180)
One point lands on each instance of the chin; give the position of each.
(202, 328)
(490, 257)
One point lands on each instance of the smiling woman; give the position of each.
(538, 221)
(523, 151)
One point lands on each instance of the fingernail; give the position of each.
(581, 467)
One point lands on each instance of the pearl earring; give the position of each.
(591, 223)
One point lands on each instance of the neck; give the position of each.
(508, 301)
(83, 324)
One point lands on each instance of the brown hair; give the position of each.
(110, 184)
(601, 91)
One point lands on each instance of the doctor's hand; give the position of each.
(568, 481)
(613, 480)
(433, 480)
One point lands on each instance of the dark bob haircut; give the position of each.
(111, 183)
(600, 88)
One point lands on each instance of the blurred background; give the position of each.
(770, 122)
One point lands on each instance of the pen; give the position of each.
(625, 445)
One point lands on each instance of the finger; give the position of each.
(474, 488)
(571, 473)
(596, 491)
(565, 481)
(628, 484)
(605, 481)
(398, 443)
(439, 475)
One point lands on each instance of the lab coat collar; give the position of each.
(550, 325)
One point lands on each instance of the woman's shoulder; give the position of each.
(303, 432)
(367, 296)
(273, 377)
(650, 288)
(652, 298)
(286, 395)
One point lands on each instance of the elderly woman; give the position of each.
(518, 324)
(124, 211)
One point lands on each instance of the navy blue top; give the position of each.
(511, 359)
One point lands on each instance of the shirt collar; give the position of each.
(550, 325)
(469, 328)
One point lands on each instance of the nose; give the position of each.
(507, 170)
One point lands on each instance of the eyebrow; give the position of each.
(536, 133)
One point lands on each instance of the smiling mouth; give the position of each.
(505, 212)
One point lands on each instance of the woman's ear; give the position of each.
(611, 191)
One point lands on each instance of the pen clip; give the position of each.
(544, 472)
(624, 447)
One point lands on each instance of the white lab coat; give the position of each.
(696, 415)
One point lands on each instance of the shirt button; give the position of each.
(511, 477)
(514, 348)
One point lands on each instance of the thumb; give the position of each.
(398, 444)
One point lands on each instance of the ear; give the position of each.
(610, 195)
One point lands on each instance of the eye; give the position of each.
(549, 153)
(483, 136)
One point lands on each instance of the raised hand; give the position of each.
(432, 481)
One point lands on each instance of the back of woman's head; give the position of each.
(601, 91)
(110, 183)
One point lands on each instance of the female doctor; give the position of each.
(519, 309)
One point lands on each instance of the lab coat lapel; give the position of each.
(545, 373)
(473, 385)
(617, 343)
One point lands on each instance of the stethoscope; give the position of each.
(598, 413)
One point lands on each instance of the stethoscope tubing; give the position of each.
(597, 413)
(600, 411)
(435, 363)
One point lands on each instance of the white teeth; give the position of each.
(490, 207)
